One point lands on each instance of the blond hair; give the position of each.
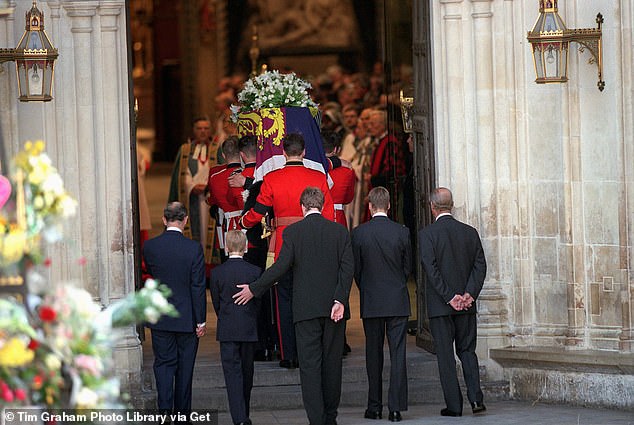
(236, 241)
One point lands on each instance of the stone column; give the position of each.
(8, 81)
(114, 147)
(449, 72)
(625, 77)
(79, 106)
(96, 116)
(492, 317)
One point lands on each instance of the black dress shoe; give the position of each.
(447, 412)
(372, 414)
(288, 364)
(478, 407)
(395, 416)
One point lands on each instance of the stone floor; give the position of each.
(499, 413)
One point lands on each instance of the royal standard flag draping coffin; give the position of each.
(270, 125)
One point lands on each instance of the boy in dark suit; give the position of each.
(237, 325)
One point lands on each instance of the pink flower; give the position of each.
(7, 395)
(20, 394)
(88, 363)
(82, 261)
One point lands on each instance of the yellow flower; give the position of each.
(13, 245)
(15, 353)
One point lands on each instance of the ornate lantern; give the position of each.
(34, 59)
(550, 40)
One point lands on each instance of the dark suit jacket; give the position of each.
(179, 263)
(382, 265)
(452, 255)
(235, 322)
(319, 253)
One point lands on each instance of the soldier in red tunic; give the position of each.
(221, 195)
(344, 178)
(280, 193)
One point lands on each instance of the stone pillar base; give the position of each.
(580, 377)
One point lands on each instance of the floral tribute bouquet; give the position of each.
(273, 105)
(272, 89)
(57, 353)
(41, 201)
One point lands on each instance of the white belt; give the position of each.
(232, 214)
(339, 207)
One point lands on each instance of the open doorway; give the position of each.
(189, 59)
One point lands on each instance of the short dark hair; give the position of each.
(174, 211)
(230, 147)
(248, 145)
(312, 197)
(379, 197)
(200, 118)
(331, 140)
(293, 144)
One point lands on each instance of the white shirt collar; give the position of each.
(173, 228)
(312, 212)
(379, 214)
(235, 256)
(442, 215)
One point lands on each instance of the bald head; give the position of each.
(441, 201)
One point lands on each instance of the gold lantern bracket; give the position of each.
(590, 38)
(550, 41)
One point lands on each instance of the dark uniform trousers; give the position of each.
(174, 377)
(284, 299)
(237, 365)
(320, 374)
(463, 328)
(375, 330)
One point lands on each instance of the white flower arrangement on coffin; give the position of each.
(273, 89)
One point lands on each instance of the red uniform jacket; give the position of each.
(281, 190)
(223, 196)
(342, 191)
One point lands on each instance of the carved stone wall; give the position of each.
(545, 172)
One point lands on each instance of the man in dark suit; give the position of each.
(382, 265)
(237, 325)
(319, 253)
(179, 263)
(279, 194)
(452, 255)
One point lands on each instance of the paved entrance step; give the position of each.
(278, 388)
